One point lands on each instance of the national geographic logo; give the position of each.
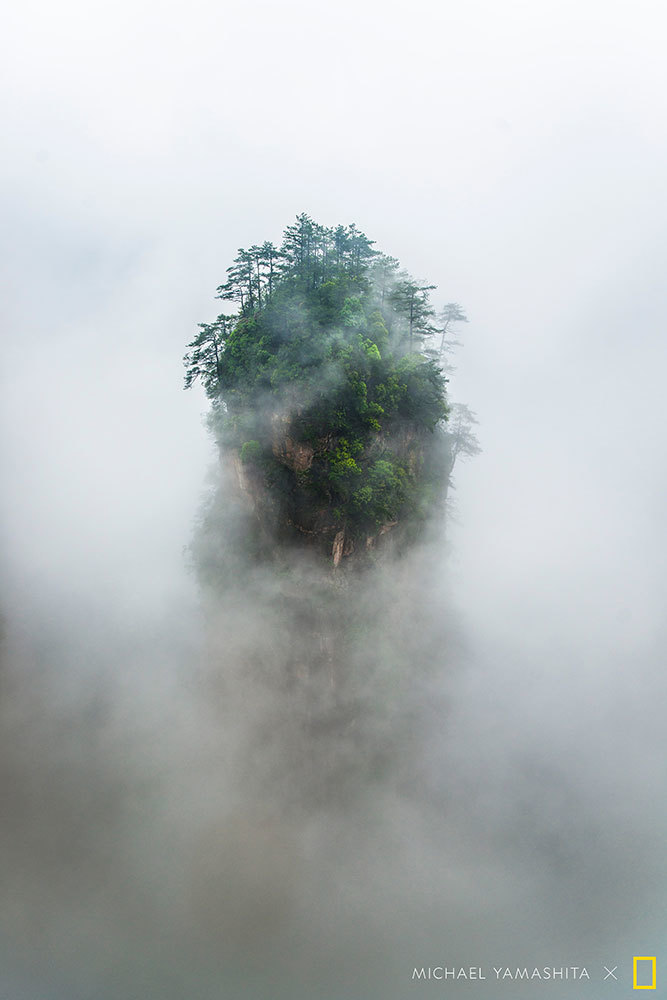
(643, 972)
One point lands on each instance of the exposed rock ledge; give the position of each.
(282, 518)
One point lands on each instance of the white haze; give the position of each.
(513, 154)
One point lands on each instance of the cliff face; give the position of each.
(288, 511)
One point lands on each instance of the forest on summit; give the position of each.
(328, 383)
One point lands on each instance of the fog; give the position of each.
(166, 829)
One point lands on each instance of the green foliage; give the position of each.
(329, 332)
(382, 497)
(251, 452)
(343, 469)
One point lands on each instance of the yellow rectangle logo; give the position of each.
(643, 958)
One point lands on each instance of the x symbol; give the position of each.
(610, 972)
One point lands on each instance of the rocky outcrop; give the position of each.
(296, 455)
(342, 546)
(285, 508)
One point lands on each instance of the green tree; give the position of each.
(461, 439)
(411, 301)
(203, 360)
(384, 270)
(451, 314)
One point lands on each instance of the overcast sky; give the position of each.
(514, 154)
